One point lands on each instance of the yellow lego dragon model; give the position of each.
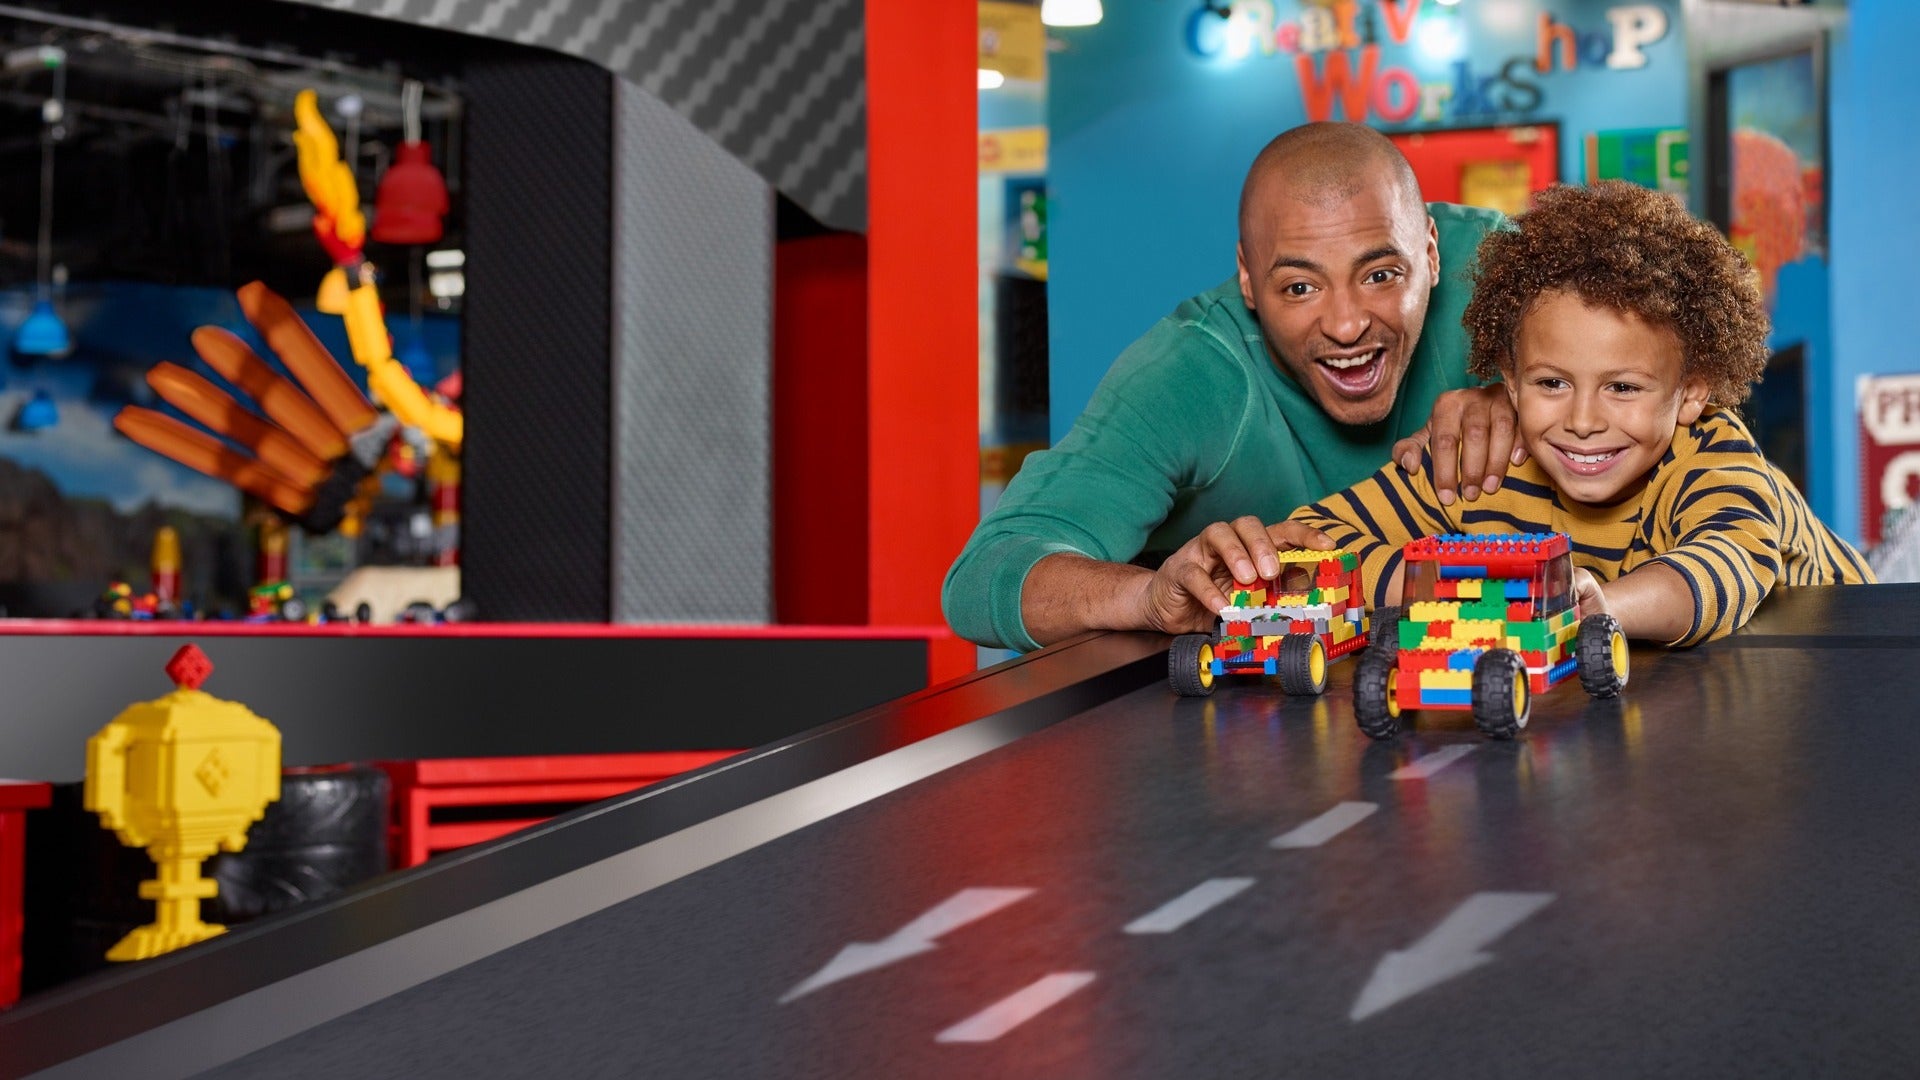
(316, 455)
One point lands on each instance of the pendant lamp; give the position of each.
(44, 334)
(412, 198)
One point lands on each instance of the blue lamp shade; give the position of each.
(43, 334)
(37, 413)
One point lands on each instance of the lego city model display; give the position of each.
(182, 776)
(1292, 625)
(1489, 622)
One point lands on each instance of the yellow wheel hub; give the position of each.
(1618, 644)
(1206, 665)
(1393, 693)
(1317, 663)
(1519, 694)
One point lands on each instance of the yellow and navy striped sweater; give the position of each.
(1714, 510)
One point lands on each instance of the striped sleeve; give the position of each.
(1724, 516)
(1376, 517)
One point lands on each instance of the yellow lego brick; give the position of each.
(1469, 588)
(1336, 595)
(1304, 555)
(1433, 611)
(1446, 680)
(1292, 599)
(1343, 630)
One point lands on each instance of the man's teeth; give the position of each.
(1591, 459)
(1343, 363)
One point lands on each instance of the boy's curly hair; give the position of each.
(1629, 248)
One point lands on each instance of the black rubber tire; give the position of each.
(1599, 675)
(1183, 666)
(419, 613)
(363, 612)
(1497, 676)
(1296, 665)
(1370, 710)
(1383, 631)
(293, 609)
(460, 611)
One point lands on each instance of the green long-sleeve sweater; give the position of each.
(1194, 424)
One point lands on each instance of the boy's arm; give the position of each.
(1375, 519)
(1724, 517)
(1653, 601)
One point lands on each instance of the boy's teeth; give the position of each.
(1590, 459)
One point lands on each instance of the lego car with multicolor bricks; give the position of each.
(1291, 625)
(1488, 622)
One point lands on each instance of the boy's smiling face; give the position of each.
(1599, 393)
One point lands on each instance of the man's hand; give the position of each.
(1188, 590)
(1472, 437)
(1587, 592)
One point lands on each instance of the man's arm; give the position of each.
(1067, 593)
(1473, 438)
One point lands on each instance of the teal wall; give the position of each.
(1150, 138)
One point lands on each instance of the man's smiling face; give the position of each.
(1339, 281)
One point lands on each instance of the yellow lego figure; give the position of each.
(181, 776)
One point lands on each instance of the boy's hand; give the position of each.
(1189, 588)
(1472, 435)
(1587, 592)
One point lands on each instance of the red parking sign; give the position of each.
(1889, 448)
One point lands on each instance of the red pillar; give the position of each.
(923, 358)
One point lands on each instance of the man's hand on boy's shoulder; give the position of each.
(1473, 437)
(1188, 590)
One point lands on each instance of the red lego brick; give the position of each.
(1242, 628)
(1423, 659)
(1299, 626)
(1440, 628)
(1521, 611)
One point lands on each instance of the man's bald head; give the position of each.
(1328, 163)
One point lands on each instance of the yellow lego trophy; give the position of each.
(181, 776)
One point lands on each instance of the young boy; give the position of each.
(1624, 329)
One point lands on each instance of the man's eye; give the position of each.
(1381, 277)
(1296, 288)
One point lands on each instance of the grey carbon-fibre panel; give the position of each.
(692, 379)
(781, 84)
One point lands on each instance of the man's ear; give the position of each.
(1433, 249)
(1246, 280)
(1694, 394)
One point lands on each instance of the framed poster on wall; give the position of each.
(1496, 167)
(1767, 117)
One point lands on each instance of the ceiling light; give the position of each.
(1070, 12)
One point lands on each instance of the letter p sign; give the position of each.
(1633, 26)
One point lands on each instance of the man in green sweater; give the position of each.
(1321, 358)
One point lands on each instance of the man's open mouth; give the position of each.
(1355, 374)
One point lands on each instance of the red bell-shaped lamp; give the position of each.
(411, 200)
(412, 197)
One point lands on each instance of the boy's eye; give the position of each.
(1622, 388)
(1550, 383)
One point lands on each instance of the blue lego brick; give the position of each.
(1448, 573)
(1462, 659)
(1517, 588)
(1562, 669)
(1442, 697)
(1219, 667)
